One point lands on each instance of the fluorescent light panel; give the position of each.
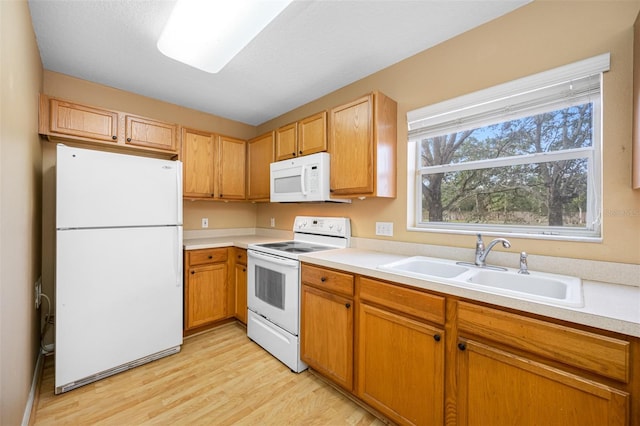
(207, 34)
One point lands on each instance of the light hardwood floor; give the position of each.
(219, 378)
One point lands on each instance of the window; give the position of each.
(520, 158)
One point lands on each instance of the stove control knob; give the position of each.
(339, 228)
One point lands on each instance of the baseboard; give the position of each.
(33, 393)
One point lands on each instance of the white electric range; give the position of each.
(273, 284)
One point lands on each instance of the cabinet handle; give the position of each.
(244, 270)
(114, 137)
(193, 272)
(210, 257)
(347, 305)
(300, 152)
(128, 139)
(323, 279)
(436, 337)
(462, 346)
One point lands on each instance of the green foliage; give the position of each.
(552, 193)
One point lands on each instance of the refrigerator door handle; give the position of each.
(179, 189)
(178, 258)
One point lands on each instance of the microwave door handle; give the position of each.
(303, 180)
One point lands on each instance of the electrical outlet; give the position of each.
(384, 228)
(205, 222)
(273, 222)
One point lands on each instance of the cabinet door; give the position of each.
(500, 388)
(312, 134)
(351, 148)
(150, 133)
(240, 272)
(400, 366)
(259, 157)
(83, 121)
(206, 295)
(327, 335)
(286, 142)
(198, 165)
(232, 168)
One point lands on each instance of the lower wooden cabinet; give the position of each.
(327, 334)
(400, 366)
(239, 266)
(205, 287)
(326, 325)
(496, 387)
(513, 369)
(420, 358)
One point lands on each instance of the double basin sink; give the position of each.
(537, 286)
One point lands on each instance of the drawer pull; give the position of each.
(128, 139)
(437, 337)
(347, 305)
(210, 257)
(114, 137)
(323, 279)
(462, 346)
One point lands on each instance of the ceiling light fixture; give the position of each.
(207, 34)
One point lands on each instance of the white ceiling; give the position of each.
(311, 49)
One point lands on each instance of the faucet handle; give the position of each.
(524, 269)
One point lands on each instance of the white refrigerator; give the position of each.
(118, 263)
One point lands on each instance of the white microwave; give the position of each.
(302, 179)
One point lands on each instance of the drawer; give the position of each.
(592, 352)
(240, 255)
(412, 302)
(327, 279)
(204, 256)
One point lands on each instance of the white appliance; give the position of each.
(302, 179)
(273, 281)
(118, 263)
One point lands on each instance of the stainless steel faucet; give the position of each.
(481, 252)
(524, 269)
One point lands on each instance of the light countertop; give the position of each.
(241, 241)
(612, 307)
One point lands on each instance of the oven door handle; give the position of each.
(274, 259)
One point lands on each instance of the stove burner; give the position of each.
(297, 250)
(294, 247)
(275, 245)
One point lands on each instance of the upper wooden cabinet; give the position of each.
(198, 165)
(304, 137)
(259, 157)
(148, 133)
(213, 166)
(82, 121)
(232, 154)
(362, 144)
(60, 119)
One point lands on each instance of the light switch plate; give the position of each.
(205, 222)
(384, 228)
